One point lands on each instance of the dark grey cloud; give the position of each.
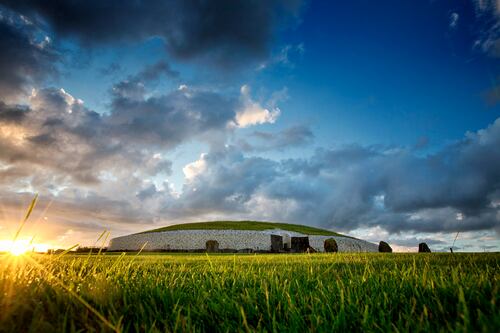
(11, 113)
(295, 136)
(488, 27)
(226, 31)
(25, 58)
(414, 241)
(153, 72)
(167, 120)
(134, 86)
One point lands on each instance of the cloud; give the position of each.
(253, 113)
(454, 20)
(167, 120)
(350, 187)
(287, 56)
(220, 182)
(153, 72)
(488, 21)
(104, 170)
(11, 113)
(226, 32)
(195, 168)
(60, 139)
(134, 86)
(25, 59)
(294, 136)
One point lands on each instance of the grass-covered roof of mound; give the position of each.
(246, 225)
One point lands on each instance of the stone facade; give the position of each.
(344, 244)
(185, 240)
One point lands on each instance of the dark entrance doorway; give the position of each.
(276, 243)
(300, 244)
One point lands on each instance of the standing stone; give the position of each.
(384, 247)
(330, 245)
(212, 246)
(423, 248)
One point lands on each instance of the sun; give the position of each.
(22, 246)
(18, 248)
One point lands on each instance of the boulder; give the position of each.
(384, 247)
(330, 245)
(212, 246)
(423, 248)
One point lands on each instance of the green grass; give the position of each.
(271, 293)
(246, 225)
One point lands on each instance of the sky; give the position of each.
(378, 119)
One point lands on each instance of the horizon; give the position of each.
(379, 121)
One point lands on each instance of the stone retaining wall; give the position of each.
(193, 240)
(185, 240)
(345, 244)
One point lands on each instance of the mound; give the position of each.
(238, 236)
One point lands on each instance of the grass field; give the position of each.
(247, 225)
(274, 293)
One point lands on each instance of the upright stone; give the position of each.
(212, 246)
(384, 247)
(330, 245)
(423, 248)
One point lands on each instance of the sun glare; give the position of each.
(22, 246)
(19, 248)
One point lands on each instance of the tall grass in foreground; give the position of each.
(318, 292)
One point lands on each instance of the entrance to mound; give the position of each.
(300, 244)
(212, 246)
(276, 243)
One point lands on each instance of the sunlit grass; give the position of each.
(199, 292)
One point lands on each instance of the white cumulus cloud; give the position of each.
(252, 112)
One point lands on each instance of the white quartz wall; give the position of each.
(193, 240)
(228, 239)
(345, 244)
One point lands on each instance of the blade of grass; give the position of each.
(26, 217)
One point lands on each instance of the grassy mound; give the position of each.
(246, 225)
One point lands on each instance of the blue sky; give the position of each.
(378, 119)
